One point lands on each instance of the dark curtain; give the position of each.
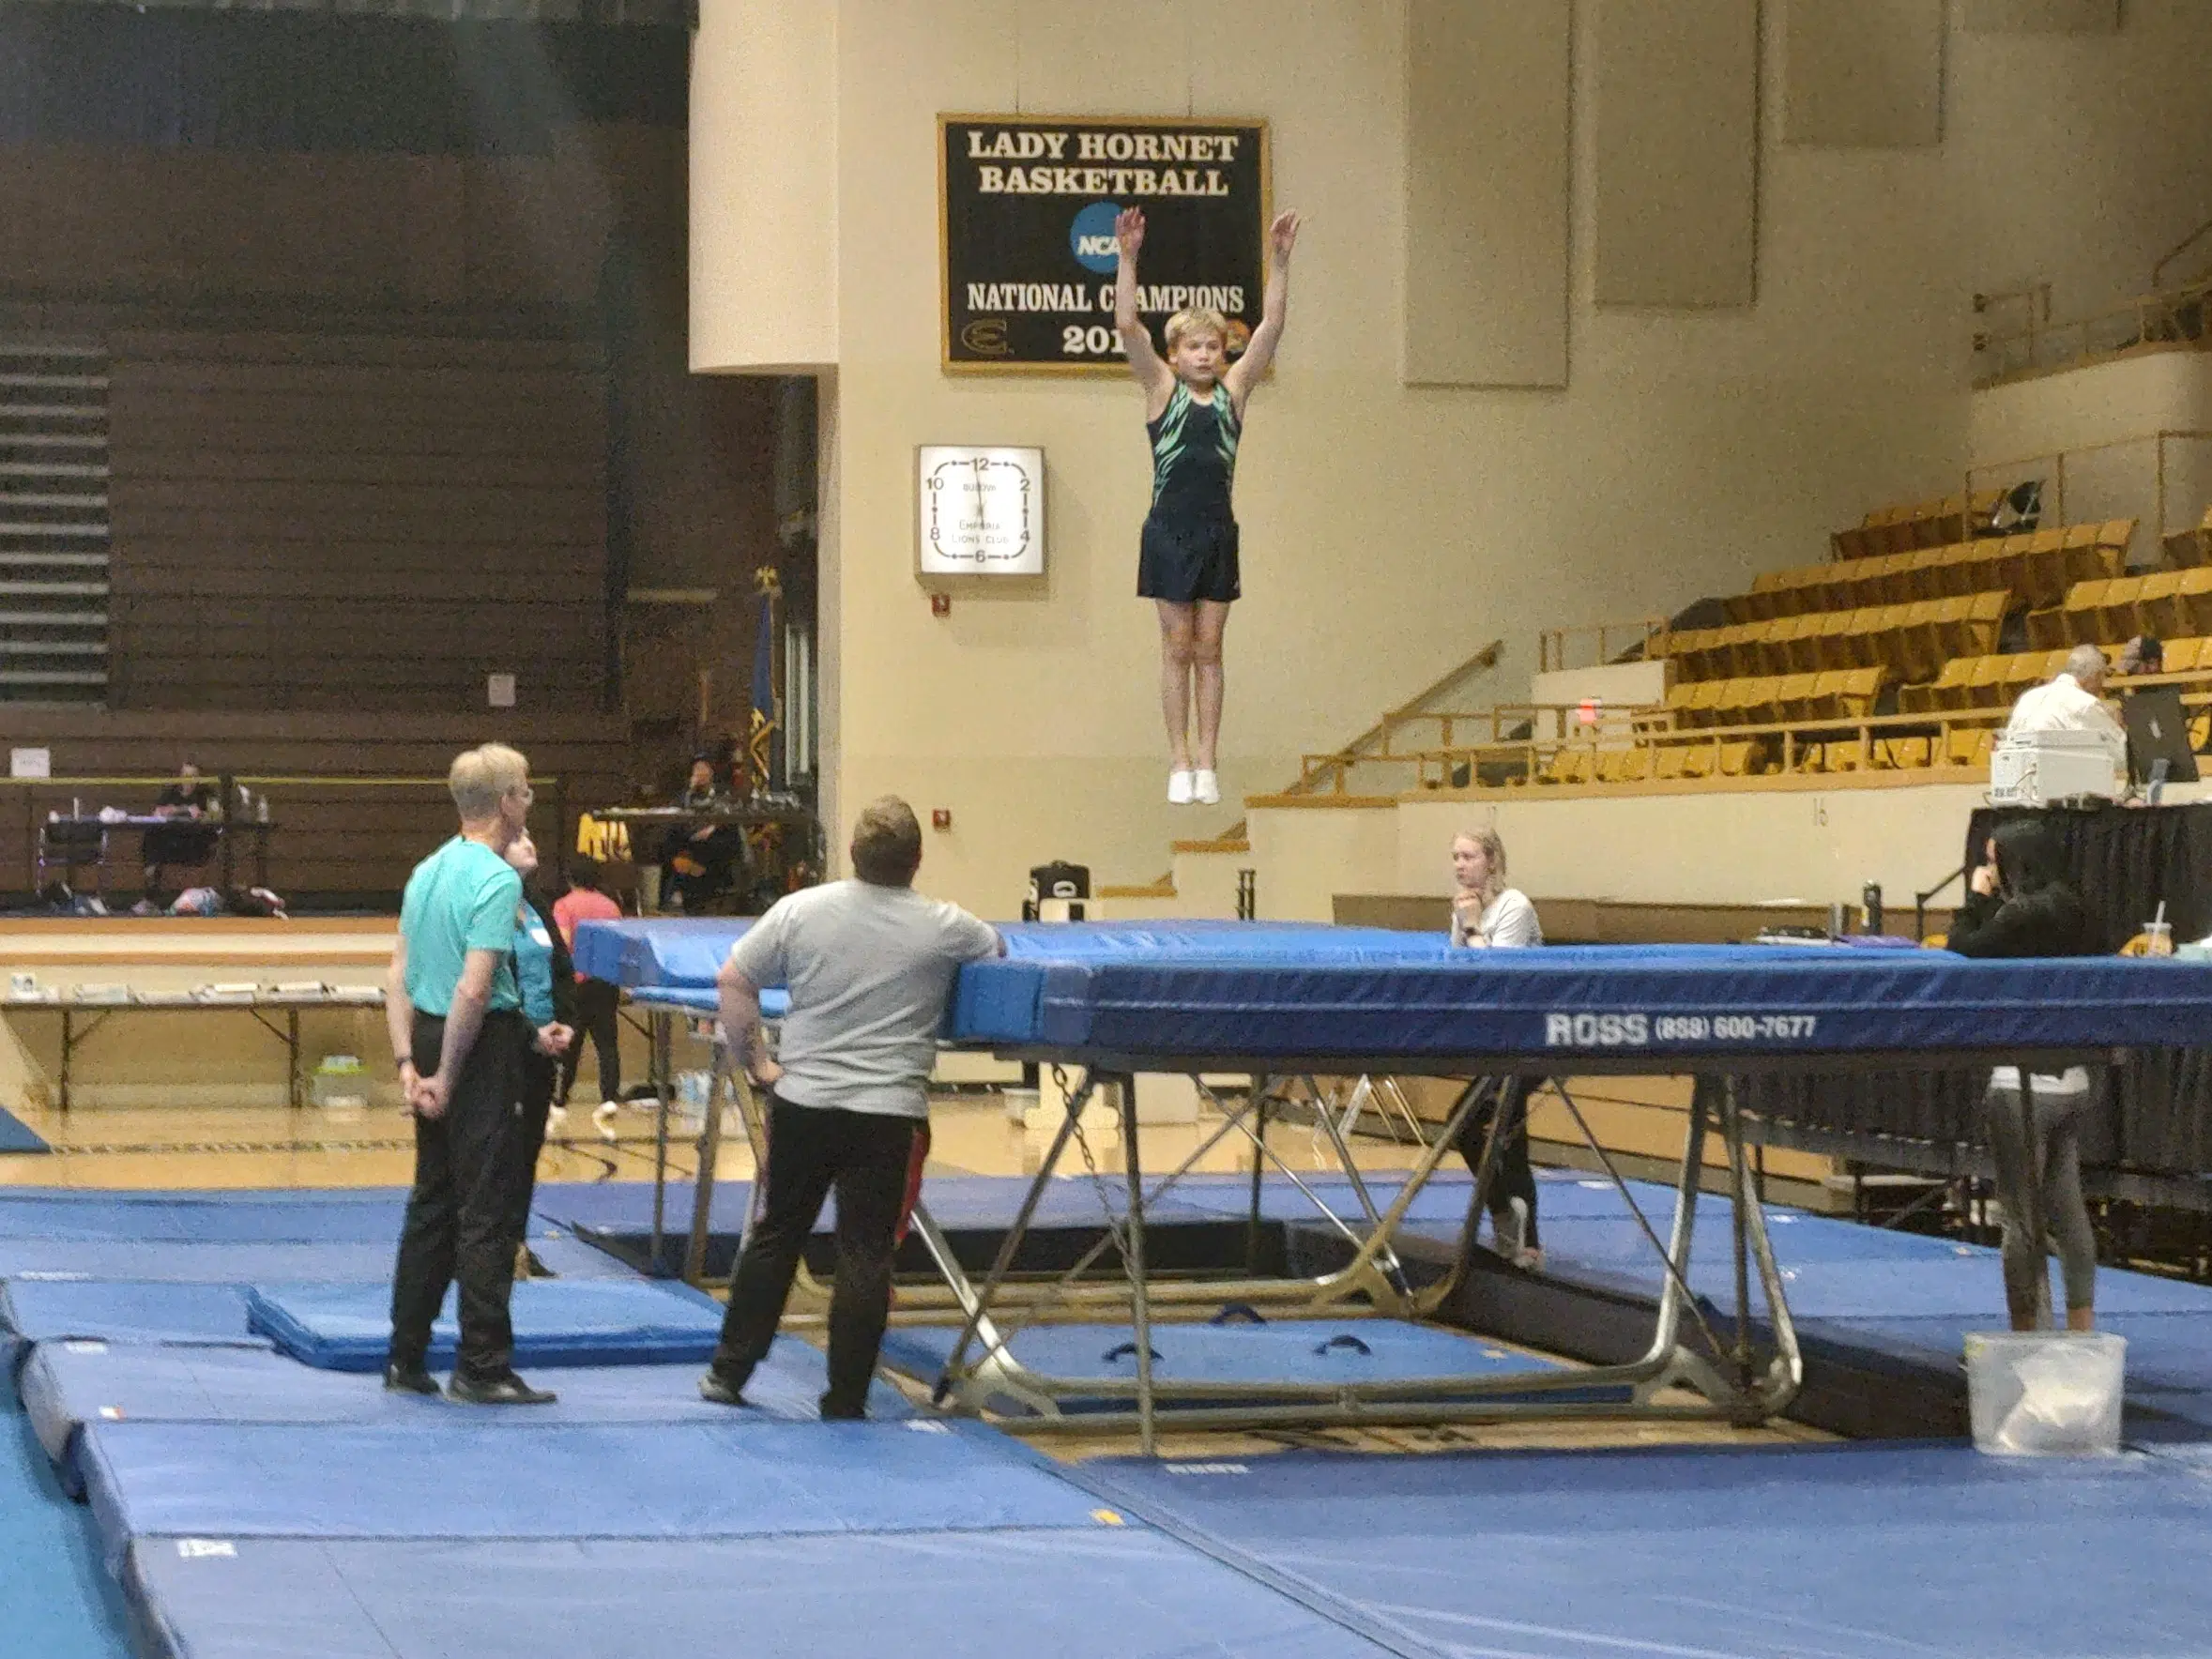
(2124, 861)
(299, 82)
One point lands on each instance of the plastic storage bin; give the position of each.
(2045, 1392)
(341, 1084)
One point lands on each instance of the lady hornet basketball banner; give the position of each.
(1027, 206)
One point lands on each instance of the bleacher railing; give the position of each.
(1593, 644)
(2032, 343)
(2148, 477)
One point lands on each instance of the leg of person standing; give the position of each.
(802, 1163)
(483, 1141)
(540, 1073)
(874, 1177)
(598, 1016)
(2026, 1251)
(430, 1233)
(1512, 1197)
(2065, 1212)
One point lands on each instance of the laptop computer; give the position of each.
(2157, 732)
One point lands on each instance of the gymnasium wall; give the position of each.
(1390, 530)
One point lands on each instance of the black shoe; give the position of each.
(504, 1390)
(834, 1413)
(409, 1380)
(718, 1389)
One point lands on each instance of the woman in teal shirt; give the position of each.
(547, 978)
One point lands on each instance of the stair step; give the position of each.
(48, 349)
(54, 589)
(57, 647)
(50, 440)
(54, 619)
(44, 676)
(75, 562)
(52, 411)
(89, 503)
(75, 382)
(53, 470)
(79, 531)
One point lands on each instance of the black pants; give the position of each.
(867, 1157)
(539, 1073)
(1511, 1176)
(596, 1018)
(458, 1224)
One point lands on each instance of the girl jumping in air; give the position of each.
(1194, 410)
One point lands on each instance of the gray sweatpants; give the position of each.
(2038, 1151)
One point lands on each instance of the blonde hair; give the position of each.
(1201, 319)
(480, 778)
(1493, 860)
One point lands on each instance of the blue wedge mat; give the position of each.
(18, 1136)
(55, 1603)
(1289, 1351)
(123, 1311)
(557, 1322)
(66, 1385)
(1115, 1593)
(449, 1477)
(1851, 1552)
(196, 1264)
(567, 1256)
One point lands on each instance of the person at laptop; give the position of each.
(2071, 700)
(2143, 654)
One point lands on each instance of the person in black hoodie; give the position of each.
(2019, 904)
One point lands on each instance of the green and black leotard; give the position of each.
(1189, 547)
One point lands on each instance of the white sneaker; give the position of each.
(604, 1116)
(556, 1116)
(1206, 788)
(1179, 789)
(1511, 1227)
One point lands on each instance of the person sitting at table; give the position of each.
(697, 861)
(186, 841)
(1487, 915)
(2143, 654)
(2071, 700)
(2019, 904)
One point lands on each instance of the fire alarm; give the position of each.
(941, 604)
(940, 818)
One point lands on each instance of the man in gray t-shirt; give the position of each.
(869, 965)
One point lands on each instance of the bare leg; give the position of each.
(1211, 618)
(1178, 630)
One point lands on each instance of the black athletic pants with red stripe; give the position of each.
(869, 1158)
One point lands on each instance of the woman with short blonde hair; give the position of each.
(1487, 915)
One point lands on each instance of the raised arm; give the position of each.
(1275, 304)
(1136, 339)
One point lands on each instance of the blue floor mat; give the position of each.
(123, 1311)
(566, 1256)
(18, 1136)
(1113, 1593)
(55, 1600)
(455, 1478)
(1289, 1351)
(625, 1209)
(557, 1322)
(197, 1263)
(1850, 1552)
(219, 1218)
(66, 1385)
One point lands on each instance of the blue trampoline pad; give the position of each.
(1289, 1351)
(452, 1477)
(125, 1311)
(196, 1263)
(301, 1218)
(66, 1385)
(1851, 1552)
(557, 1322)
(1113, 1593)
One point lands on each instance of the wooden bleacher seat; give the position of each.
(2184, 655)
(1860, 689)
(1670, 761)
(2185, 548)
(2117, 616)
(2078, 617)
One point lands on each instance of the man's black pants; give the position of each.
(458, 1227)
(867, 1156)
(596, 1018)
(1511, 1176)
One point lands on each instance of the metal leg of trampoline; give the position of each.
(1132, 1257)
(1003, 1263)
(1387, 1259)
(710, 1153)
(663, 1048)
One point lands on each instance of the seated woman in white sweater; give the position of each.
(1487, 915)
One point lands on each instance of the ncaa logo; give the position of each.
(1092, 238)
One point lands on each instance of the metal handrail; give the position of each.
(1650, 631)
(2058, 462)
(2146, 311)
